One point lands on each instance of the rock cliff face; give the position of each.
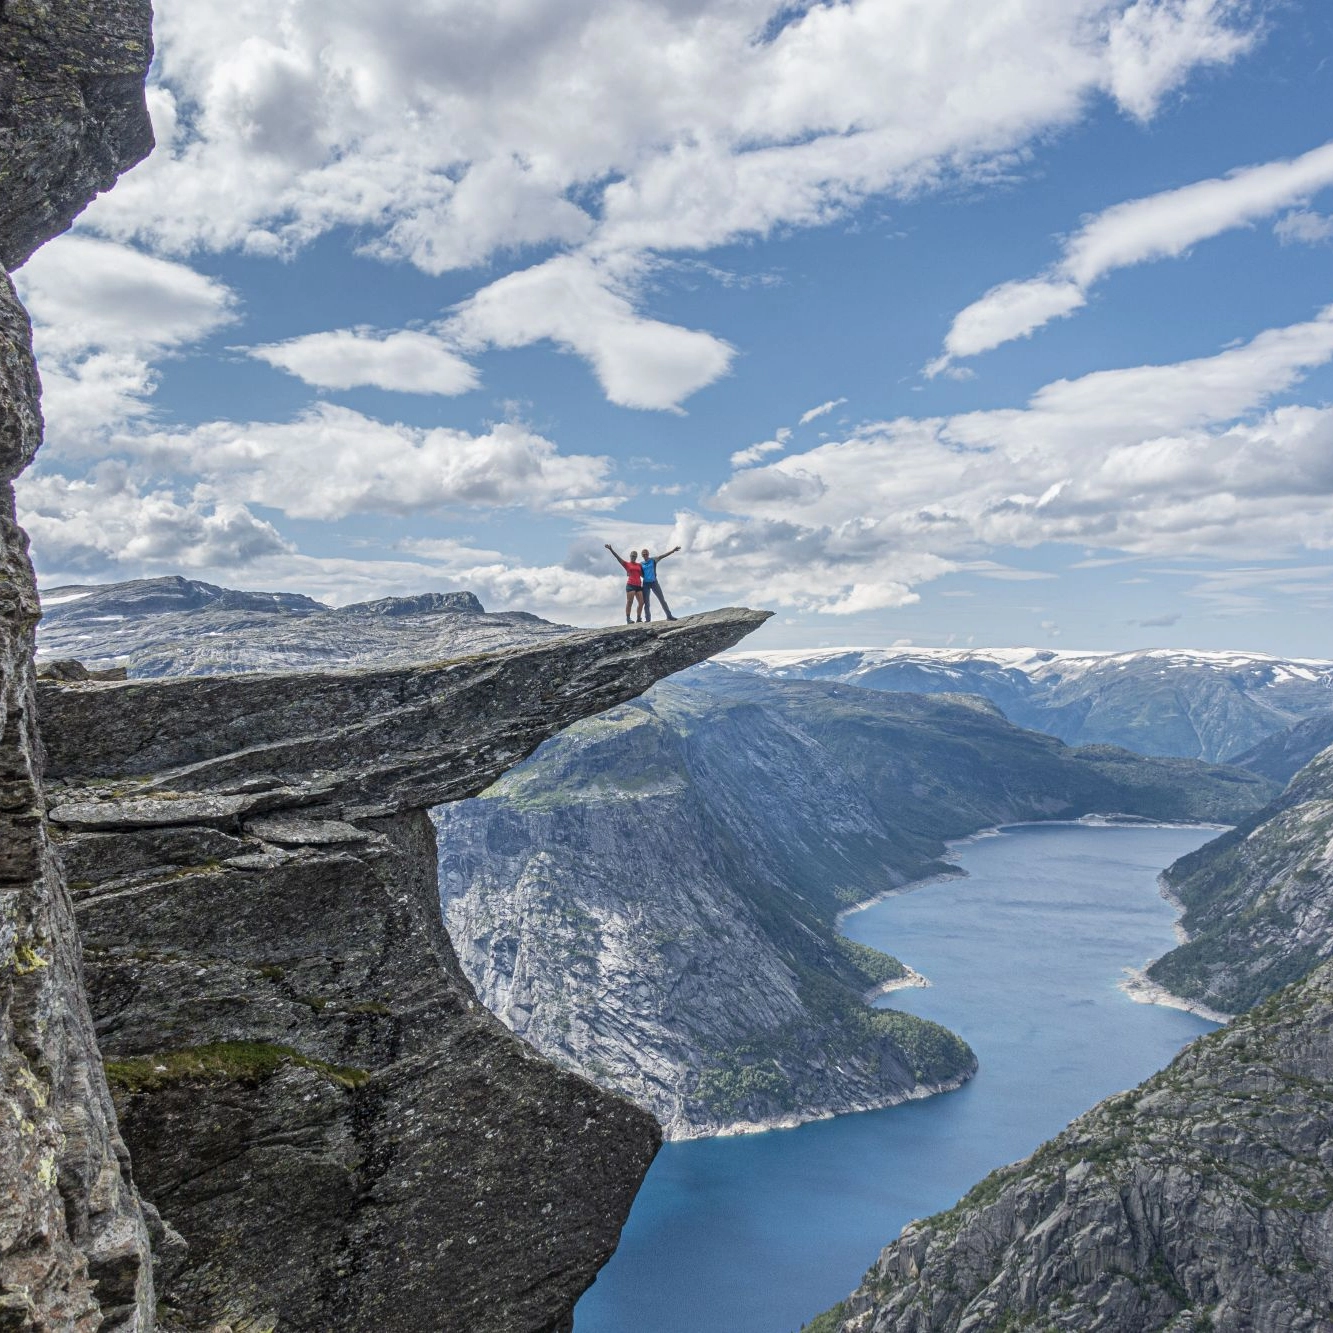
(74, 1249)
(1281, 756)
(72, 111)
(1258, 902)
(652, 898)
(310, 1090)
(1202, 1199)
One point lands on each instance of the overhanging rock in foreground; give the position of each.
(311, 1093)
(74, 1249)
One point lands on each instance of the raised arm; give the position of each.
(622, 564)
(672, 551)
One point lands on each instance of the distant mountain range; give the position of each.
(1203, 705)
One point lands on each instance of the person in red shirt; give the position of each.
(633, 583)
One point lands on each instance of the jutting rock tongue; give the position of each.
(72, 117)
(311, 1092)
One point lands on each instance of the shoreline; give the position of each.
(910, 886)
(910, 980)
(1135, 984)
(1143, 990)
(795, 1119)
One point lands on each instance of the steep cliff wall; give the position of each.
(345, 1138)
(1258, 902)
(1202, 1199)
(73, 1243)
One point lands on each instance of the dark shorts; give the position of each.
(633, 587)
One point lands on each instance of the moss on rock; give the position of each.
(221, 1062)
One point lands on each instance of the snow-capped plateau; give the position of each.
(1196, 703)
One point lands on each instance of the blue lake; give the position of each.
(757, 1233)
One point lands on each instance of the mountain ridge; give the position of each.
(1204, 704)
(782, 803)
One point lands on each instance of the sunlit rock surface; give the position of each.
(173, 626)
(1258, 902)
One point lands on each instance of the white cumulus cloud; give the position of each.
(102, 314)
(406, 361)
(1181, 458)
(581, 307)
(822, 410)
(449, 134)
(87, 525)
(332, 461)
(1303, 226)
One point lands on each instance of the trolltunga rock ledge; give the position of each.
(312, 1095)
(384, 740)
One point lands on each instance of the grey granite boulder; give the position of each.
(72, 111)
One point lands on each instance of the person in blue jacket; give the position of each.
(650, 583)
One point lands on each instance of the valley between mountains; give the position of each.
(652, 899)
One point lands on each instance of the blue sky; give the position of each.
(435, 294)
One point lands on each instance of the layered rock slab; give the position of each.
(74, 1250)
(1202, 1199)
(312, 1094)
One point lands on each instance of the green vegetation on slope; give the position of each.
(221, 1062)
(1258, 901)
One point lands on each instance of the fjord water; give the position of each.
(755, 1234)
